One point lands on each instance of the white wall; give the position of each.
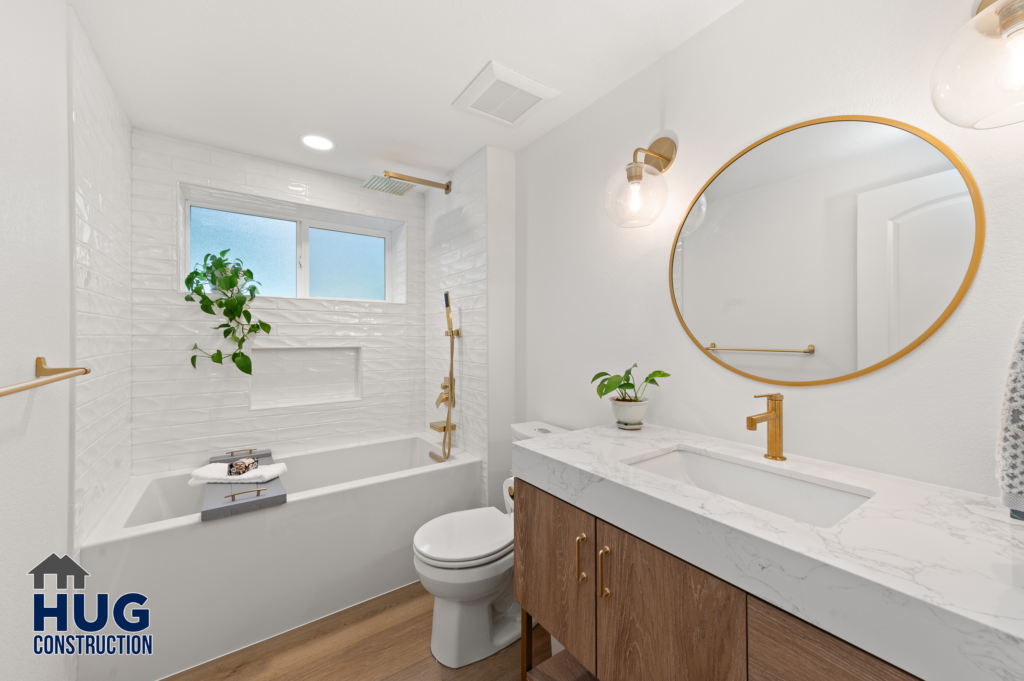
(182, 416)
(501, 318)
(35, 426)
(593, 297)
(471, 254)
(101, 170)
(456, 261)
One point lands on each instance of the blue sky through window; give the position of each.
(344, 265)
(265, 245)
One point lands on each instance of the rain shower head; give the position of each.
(395, 183)
(386, 184)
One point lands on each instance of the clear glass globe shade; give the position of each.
(635, 204)
(978, 81)
(695, 217)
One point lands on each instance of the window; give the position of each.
(295, 258)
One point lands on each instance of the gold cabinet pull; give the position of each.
(261, 489)
(605, 593)
(580, 576)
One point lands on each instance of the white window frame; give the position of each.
(303, 250)
(302, 227)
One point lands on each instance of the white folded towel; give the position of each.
(218, 472)
(1010, 451)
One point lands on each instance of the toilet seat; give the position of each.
(465, 538)
(459, 564)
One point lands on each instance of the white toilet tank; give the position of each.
(532, 429)
(526, 431)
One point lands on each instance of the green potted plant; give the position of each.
(629, 404)
(224, 287)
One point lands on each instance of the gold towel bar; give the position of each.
(808, 351)
(45, 375)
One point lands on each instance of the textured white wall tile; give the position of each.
(456, 261)
(182, 416)
(101, 170)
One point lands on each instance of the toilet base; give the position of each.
(475, 613)
(465, 632)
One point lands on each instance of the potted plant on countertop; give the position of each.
(629, 404)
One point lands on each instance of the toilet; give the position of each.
(465, 560)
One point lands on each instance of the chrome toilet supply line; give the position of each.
(447, 395)
(45, 375)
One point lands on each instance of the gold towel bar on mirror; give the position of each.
(45, 375)
(808, 351)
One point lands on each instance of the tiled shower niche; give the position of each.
(289, 377)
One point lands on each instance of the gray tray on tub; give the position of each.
(229, 498)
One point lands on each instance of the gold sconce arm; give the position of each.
(648, 152)
(660, 154)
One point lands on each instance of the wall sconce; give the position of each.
(636, 197)
(979, 79)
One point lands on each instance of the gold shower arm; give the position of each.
(447, 186)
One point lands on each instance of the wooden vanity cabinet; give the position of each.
(662, 618)
(547, 585)
(785, 648)
(642, 614)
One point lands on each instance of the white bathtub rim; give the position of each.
(111, 528)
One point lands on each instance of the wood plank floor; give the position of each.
(386, 639)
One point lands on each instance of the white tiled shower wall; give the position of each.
(456, 261)
(144, 408)
(101, 182)
(181, 416)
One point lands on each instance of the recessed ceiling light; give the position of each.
(317, 142)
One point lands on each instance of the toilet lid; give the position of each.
(465, 535)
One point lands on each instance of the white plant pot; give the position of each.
(630, 415)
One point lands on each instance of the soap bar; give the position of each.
(243, 466)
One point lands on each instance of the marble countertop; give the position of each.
(929, 578)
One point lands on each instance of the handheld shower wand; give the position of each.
(447, 395)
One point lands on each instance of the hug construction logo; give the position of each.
(70, 578)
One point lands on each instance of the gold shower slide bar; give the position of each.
(808, 351)
(45, 375)
(447, 186)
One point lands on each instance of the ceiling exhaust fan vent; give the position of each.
(502, 94)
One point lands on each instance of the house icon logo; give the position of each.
(62, 567)
(52, 623)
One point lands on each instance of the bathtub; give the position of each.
(344, 536)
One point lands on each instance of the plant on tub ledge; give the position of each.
(630, 405)
(221, 286)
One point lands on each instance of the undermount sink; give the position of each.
(817, 501)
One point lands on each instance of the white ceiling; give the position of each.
(375, 76)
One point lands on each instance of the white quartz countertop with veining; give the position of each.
(929, 578)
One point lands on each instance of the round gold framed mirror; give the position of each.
(827, 250)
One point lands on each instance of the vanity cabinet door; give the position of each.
(785, 648)
(546, 581)
(662, 618)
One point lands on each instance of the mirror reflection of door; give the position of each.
(914, 246)
(851, 234)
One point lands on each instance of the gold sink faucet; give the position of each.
(774, 419)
